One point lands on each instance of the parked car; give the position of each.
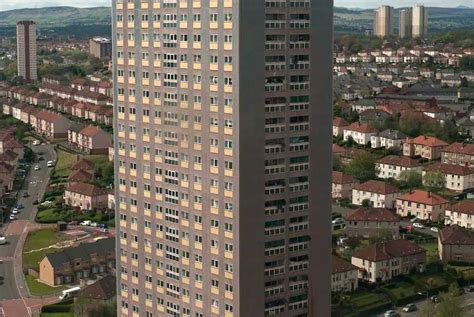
(418, 225)
(25, 194)
(3, 240)
(414, 219)
(434, 229)
(470, 289)
(94, 224)
(50, 164)
(409, 308)
(19, 205)
(434, 299)
(37, 168)
(104, 230)
(86, 223)
(36, 142)
(338, 221)
(391, 313)
(12, 217)
(15, 211)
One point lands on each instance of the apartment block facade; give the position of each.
(26, 50)
(383, 21)
(420, 21)
(222, 118)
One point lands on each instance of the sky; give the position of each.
(17, 4)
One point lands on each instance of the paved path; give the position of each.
(15, 300)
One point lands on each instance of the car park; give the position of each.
(418, 225)
(409, 308)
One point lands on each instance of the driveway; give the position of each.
(13, 293)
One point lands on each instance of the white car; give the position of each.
(36, 142)
(418, 225)
(94, 224)
(338, 221)
(15, 211)
(12, 217)
(37, 168)
(434, 229)
(50, 164)
(391, 313)
(413, 219)
(3, 240)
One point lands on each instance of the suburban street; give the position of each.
(13, 294)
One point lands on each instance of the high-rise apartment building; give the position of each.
(223, 157)
(383, 21)
(100, 47)
(404, 23)
(420, 21)
(26, 50)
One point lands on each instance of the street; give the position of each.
(13, 295)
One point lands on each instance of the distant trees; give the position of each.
(410, 179)
(362, 167)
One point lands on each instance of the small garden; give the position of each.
(40, 240)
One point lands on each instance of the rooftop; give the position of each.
(423, 197)
(379, 187)
(387, 250)
(372, 214)
(456, 235)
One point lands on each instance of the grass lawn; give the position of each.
(64, 163)
(401, 290)
(37, 240)
(39, 289)
(431, 281)
(366, 300)
(466, 271)
(431, 250)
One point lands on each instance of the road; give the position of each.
(13, 294)
(468, 305)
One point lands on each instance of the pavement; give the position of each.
(15, 300)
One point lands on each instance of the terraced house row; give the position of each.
(222, 153)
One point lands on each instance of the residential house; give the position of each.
(381, 262)
(342, 185)
(91, 139)
(457, 178)
(73, 132)
(427, 147)
(456, 244)
(338, 125)
(84, 261)
(422, 204)
(80, 176)
(388, 139)
(7, 176)
(460, 213)
(392, 166)
(103, 292)
(363, 105)
(52, 125)
(372, 222)
(458, 154)
(344, 275)
(83, 164)
(361, 133)
(379, 194)
(85, 196)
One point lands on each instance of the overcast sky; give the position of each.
(15, 4)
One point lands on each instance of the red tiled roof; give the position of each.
(8, 156)
(83, 164)
(361, 127)
(387, 250)
(339, 122)
(103, 289)
(449, 169)
(399, 161)
(80, 176)
(5, 167)
(423, 197)
(464, 207)
(48, 116)
(377, 187)
(340, 266)
(372, 214)
(86, 189)
(427, 141)
(460, 148)
(456, 235)
(341, 178)
(90, 130)
(337, 149)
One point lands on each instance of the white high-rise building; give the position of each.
(383, 21)
(404, 23)
(420, 21)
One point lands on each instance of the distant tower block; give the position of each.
(26, 50)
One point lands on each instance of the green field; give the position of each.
(64, 163)
(39, 289)
(40, 239)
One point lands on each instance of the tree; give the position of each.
(366, 203)
(466, 63)
(411, 179)
(434, 180)
(450, 304)
(429, 309)
(362, 167)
